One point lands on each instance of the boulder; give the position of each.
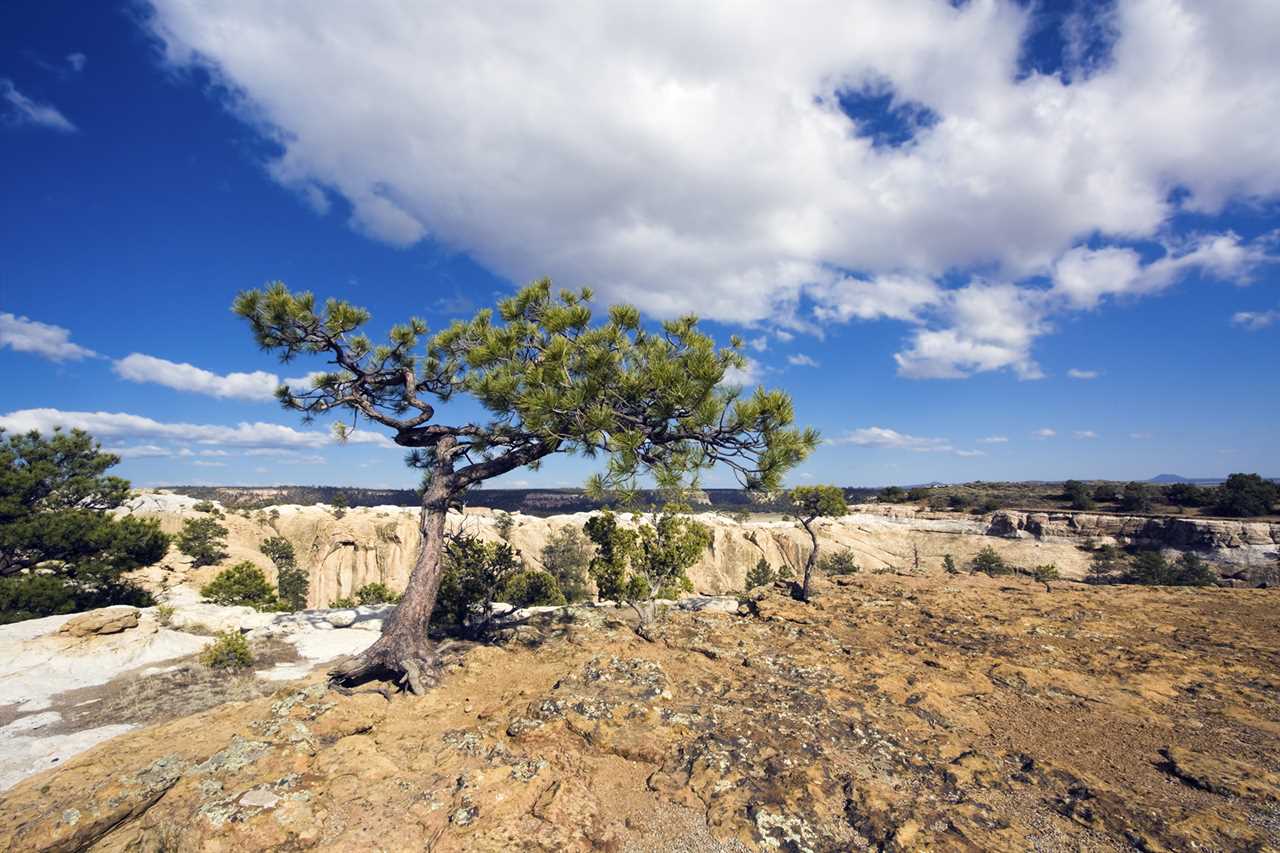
(106, 620)
(341, 618)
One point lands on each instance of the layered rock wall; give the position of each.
(379, 544)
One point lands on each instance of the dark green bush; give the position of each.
(1077, 494)
(204, 540)
(567, 556)
(1137, 497)
(1245, 495)
(838, 563)
(243, 584)
(474, 574)
(376, 593)
(1106, 566)
(1150, 568)
(760, 574)
(531, 588)
(990, 563)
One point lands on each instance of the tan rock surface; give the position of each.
(105, 620)
(940, 713)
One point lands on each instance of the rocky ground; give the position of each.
(942, 712)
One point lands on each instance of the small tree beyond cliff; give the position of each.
(813, 502)
(650, 402)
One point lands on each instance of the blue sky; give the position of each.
(938, 226)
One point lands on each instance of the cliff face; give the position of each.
(1237, 543)
(378, 544)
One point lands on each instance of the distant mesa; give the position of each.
(1178, 478)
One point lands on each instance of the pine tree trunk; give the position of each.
(813, 558)
(404, 653)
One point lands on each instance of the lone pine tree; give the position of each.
(650, 403)
(812, 502)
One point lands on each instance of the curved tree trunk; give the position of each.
(404, 653)
(813, 558)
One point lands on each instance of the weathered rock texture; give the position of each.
(105, 620)
(895, 713)
(378, 544)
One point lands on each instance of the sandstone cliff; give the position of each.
(378, 544)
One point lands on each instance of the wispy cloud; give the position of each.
(801, 360)
(1255, 320)
(1045, 432)
(1076, 373)
(1085, 433)
(52, 342)
(1140, 436)
(883, 437)
(21, 110)
(994, 439)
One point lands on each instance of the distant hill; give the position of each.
(1178, 478)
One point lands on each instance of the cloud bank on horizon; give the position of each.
(880, 160)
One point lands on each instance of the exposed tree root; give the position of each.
(416, 670)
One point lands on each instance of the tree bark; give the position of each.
(403, 652)
(813, 558)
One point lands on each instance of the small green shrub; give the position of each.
(230, 651)
(761, 574)
(990, 563)
(243, 584)
(839, 563)
(345, 602)
(164, 614)
(1044, 574)
(205, 506)
(949, 565)
(532, 588)
(376, 593)
(505, 523)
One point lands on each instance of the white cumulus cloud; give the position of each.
(137, 367)
(123, 426)
(695, 156)
(52, 342)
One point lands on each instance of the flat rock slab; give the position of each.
(106, 620)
